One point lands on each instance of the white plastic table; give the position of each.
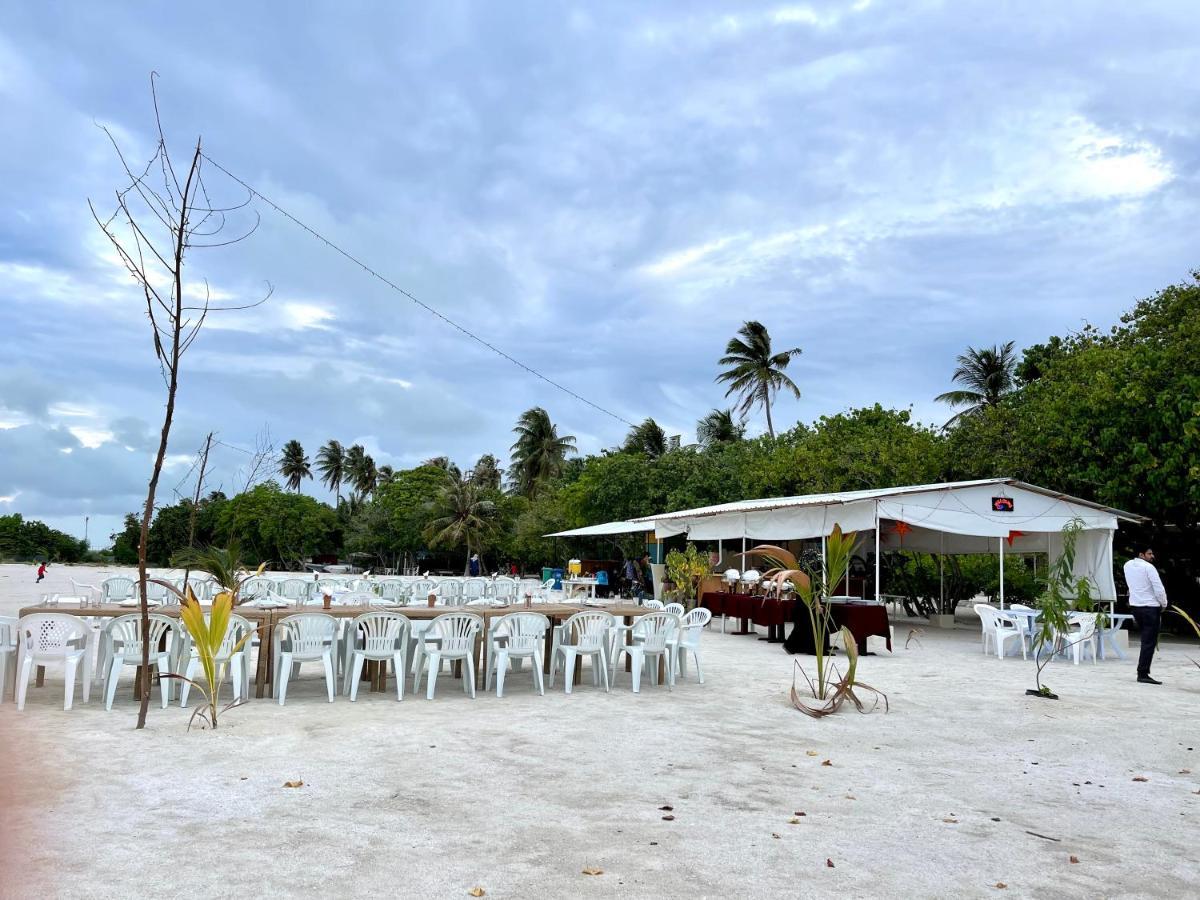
(1105, 635)
(570, 584)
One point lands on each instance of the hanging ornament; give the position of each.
(900, 529)
(1013, 535)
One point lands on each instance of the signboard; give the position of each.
(1002, 504)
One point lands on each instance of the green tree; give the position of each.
(272, 526)
(486, 473)
(331, 463)
(360, 471)
(719, 427)
(385, 475)
(539, 452)
(986, 376)
(647, 438)
(293, 465)
(461, 516)
(755, 372)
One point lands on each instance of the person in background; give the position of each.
(1147, 600)
(647, 575)
(473, 566)
(41, 572)
(629, 575)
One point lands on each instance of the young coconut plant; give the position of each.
(211, 638)
(830, 688)
(1064, 594)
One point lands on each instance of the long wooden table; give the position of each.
(266, 620)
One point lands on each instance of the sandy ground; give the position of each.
(964, 784)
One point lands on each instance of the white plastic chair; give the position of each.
(451, 592)
(675, 609)
(586, 633)
(305, 637)
(8, 654)
(236, 664)
(83, 589)
(380, 637)
(156, 594)
(121, 646)
(116, 589)
(395, 592)
(449, 637)
(1075, 641)
(474, 588)
(504, 589)
(651, 641)
(998, 629)
(298, 590)
(255, 587)
(520, 635)
(653, 604)
(44, 638)
(691, 626)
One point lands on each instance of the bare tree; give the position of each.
(161, 214)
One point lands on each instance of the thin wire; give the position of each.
(425, 306)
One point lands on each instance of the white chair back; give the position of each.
(655, 630)
(474, 588)
(675, 609)
(588, 630)
(652, 604)
(525, 631)
(692, 625)
(308, 635)
(125, 632)
(51, 635)
(456, 633)
(299, 589)
(379, 634)
(116, 588)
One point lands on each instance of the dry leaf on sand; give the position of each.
(1140, 778)
(592, 870)
(1074, 859)
(826, 763)
(668, 818)
(296, 783)
(812, 753)
(476, 891)
(828, 863)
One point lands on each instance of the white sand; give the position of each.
(519, 795)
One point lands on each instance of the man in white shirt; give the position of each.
(1147, 600)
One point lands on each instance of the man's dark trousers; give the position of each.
(1148, 619)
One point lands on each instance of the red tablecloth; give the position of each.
(863, 619)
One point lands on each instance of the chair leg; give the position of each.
(354, 675)
(469, 674)
(435, 666)
(164, 683)
(538, 681)
(568, 667)
(327, 661)
(699, 673)
(71, 666)
(23, 681)
(399, 663)
(501, 667)
(284, 671)
(637, 671)
(115, 665)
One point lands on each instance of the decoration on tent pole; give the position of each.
(900, 529)
(1013, 535)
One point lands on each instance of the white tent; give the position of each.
(992, 515)
(605, 529)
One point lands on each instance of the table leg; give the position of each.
(41, 676)
(745, 628)
(628, 620)
(265, 670)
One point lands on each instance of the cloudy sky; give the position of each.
(606, 191)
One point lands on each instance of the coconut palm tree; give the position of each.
(755, 371)
(331, 463)
(460, 516)
(486, 473)
(719, 427)
(647, 438)
(986, 375)
(293, 465)
(360, 470)
(539, 451)
(385, 475)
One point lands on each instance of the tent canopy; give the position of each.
(955, 517)
(606, 528)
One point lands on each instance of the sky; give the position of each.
(604, 191)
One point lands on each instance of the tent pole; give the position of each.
(824, 574)
(1002, 573)
(720, 553)
(942, 572)
(876, 551)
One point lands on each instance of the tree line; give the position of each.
(1111, 416)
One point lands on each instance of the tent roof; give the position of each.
(605, 528)
(841, 497)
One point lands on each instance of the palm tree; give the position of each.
(385, 475)
(360, 470)
(331, 463)
(460, 515)
(486, 472)
(719, 427)
(539, 451)
(443, 463)
(293, 465)
(647, 438)
(986, 375)
(755, 372)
